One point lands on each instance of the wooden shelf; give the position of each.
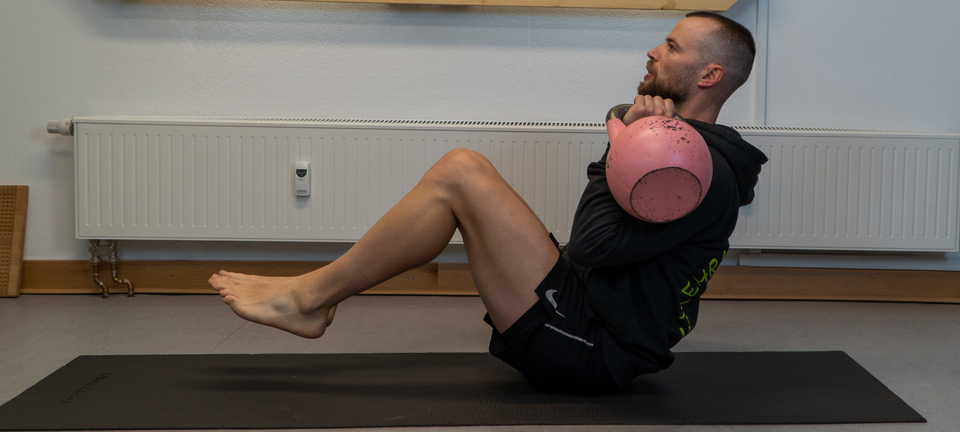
(707, 5)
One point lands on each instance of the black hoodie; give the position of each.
(644, 280)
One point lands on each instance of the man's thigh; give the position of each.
(508, 247)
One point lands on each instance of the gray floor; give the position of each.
(912, 348)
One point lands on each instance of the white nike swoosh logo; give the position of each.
(553, 301)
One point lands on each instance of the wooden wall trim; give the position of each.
(735, 282)
(714, 5)
(730, 282)
(189, 277)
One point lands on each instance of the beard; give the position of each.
(676, 88)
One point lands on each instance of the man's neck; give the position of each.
(703, 106)
(701, 112)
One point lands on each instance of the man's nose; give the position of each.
(653, 54)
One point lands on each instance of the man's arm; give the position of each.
(605, 235)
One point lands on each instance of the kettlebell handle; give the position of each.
(617, 112)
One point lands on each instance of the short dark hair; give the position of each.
(734, 47)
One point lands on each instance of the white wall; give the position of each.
(872, 64)
(851, 64)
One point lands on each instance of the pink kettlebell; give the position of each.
(658, 168)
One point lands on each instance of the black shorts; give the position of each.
(559, 344)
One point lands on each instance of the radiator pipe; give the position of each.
(96, 277)
(97, 255)
(113, 272)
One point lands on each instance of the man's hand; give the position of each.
(645, 106)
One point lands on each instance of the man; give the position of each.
(586, 318)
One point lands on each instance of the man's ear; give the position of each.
(712, 75)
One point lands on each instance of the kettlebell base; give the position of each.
(665, 195)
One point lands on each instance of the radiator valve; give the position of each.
(63, 127)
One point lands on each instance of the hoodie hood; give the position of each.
(744, 159)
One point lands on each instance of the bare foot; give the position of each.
(286, 303)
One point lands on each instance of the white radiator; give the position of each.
(233, 179)
(853, 190)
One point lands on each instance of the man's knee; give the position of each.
(462, 164)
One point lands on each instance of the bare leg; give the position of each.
(507, 247)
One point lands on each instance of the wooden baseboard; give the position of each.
(761, 283)
(190, 277)
(730, 282)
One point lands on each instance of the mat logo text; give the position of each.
(100, 378)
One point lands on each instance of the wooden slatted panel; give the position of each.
(13, 218)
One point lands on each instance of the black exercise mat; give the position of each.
(276, 391)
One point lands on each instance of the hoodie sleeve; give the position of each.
(605, 235)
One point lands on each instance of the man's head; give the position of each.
(705, 53)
